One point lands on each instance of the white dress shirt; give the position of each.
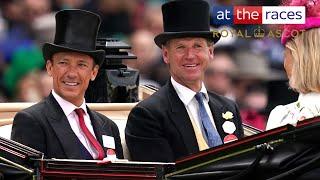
(307, 106)
(187, 96)
(68, 109)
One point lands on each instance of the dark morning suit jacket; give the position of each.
(159, 128)
(45, 128)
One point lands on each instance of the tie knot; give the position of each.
(199, 97)
(79, 111)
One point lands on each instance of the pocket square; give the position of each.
(108, 142)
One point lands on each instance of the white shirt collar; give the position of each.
(186, 94)
(309, 98)
(67, 106)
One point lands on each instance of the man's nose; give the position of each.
(190, 53)
(72, 71)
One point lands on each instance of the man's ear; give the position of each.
(49, 67)
(211, 52)
(165, 54)
(95, 71)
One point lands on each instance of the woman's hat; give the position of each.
(312, 19)
(186, 18)
(76, 31)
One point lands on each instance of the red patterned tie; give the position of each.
(88, 135)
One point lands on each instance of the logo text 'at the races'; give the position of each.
(228, 15)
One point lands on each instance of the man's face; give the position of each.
(218, 74)
(187, 59)
(71, 73)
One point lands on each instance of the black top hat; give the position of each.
(76, 31)
(185, 18)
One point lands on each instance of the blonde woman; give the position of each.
(302, 65)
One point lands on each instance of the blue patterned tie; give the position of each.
(209, 132)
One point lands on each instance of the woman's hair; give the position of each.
(305, 50)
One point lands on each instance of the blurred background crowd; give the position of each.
(247, 70)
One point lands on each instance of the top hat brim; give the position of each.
(162, 38)
(50, 49)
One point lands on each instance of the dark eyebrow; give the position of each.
(179, 44)
(62, 59)
(83, 61)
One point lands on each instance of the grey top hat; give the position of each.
(255, 66)
(76, 31)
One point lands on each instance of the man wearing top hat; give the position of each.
(182, 118)
(62, 126)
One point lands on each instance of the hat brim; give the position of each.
(162, 38)
(50, 49)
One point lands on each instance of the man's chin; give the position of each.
(70, 95)
(194, 77)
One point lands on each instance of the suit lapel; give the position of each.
(62, 129)
(217, 109)
(181, 120)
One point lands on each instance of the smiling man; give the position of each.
(62, 126)
(182, 117)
